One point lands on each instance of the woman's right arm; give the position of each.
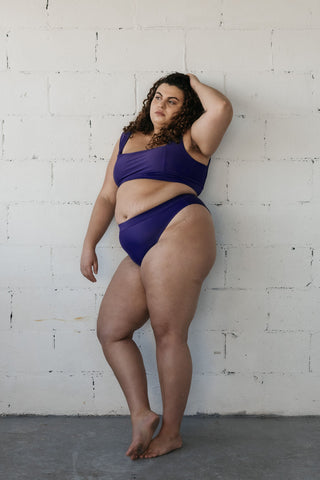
(101, 216)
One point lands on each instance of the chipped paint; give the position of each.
(49, 320)
(96, 49)
(55, 319)
(11, 309)
(93, 388)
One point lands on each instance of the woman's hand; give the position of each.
(88, 260)
(193, 79)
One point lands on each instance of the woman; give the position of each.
(157, 169)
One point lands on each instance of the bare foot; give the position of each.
(161, 445)
(143, 427)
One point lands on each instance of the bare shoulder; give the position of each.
(114, 154)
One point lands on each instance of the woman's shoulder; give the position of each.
(124, 137)
(126, 134)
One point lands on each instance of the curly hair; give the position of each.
(181, 122)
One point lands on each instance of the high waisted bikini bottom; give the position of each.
(138, 234)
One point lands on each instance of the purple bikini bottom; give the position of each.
(138, 234)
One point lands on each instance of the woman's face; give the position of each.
(168, 101)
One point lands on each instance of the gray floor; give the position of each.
(215, 447)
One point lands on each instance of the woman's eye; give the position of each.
(171, 102)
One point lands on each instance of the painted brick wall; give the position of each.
(72, 73)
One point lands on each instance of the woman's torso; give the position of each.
(140, 194)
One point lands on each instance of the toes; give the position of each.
(148, 454)
(134, 456)
(132, 452)
(139, 450)
(135, 452)
(144, 455)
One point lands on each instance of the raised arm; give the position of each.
(101, 216)
(208, 131)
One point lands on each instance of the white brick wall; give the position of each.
(71, 75)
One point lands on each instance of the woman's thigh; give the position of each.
(123, 308)
(173, 270)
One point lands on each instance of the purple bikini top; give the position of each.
(170, 162)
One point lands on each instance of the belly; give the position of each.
(137, 196)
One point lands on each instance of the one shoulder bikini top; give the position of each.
(170, 162)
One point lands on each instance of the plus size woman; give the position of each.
(156, 172)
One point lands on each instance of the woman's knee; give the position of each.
(165, 335)
(109, 328)
(116, 324)
(110, 332)
(104, 332)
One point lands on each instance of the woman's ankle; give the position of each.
(170, 431)
(141, 412)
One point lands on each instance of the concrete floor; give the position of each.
(215, 447)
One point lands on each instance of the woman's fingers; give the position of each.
(95, 266)
(193, 79)
(87, 272)
(88, 262)
(90, 276)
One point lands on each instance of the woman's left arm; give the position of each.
(208, 131)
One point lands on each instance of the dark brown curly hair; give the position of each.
(190, 111)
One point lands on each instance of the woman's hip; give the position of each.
(138, 234)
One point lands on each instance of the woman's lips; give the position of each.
(160, 113)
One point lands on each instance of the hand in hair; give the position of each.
(193, 79)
